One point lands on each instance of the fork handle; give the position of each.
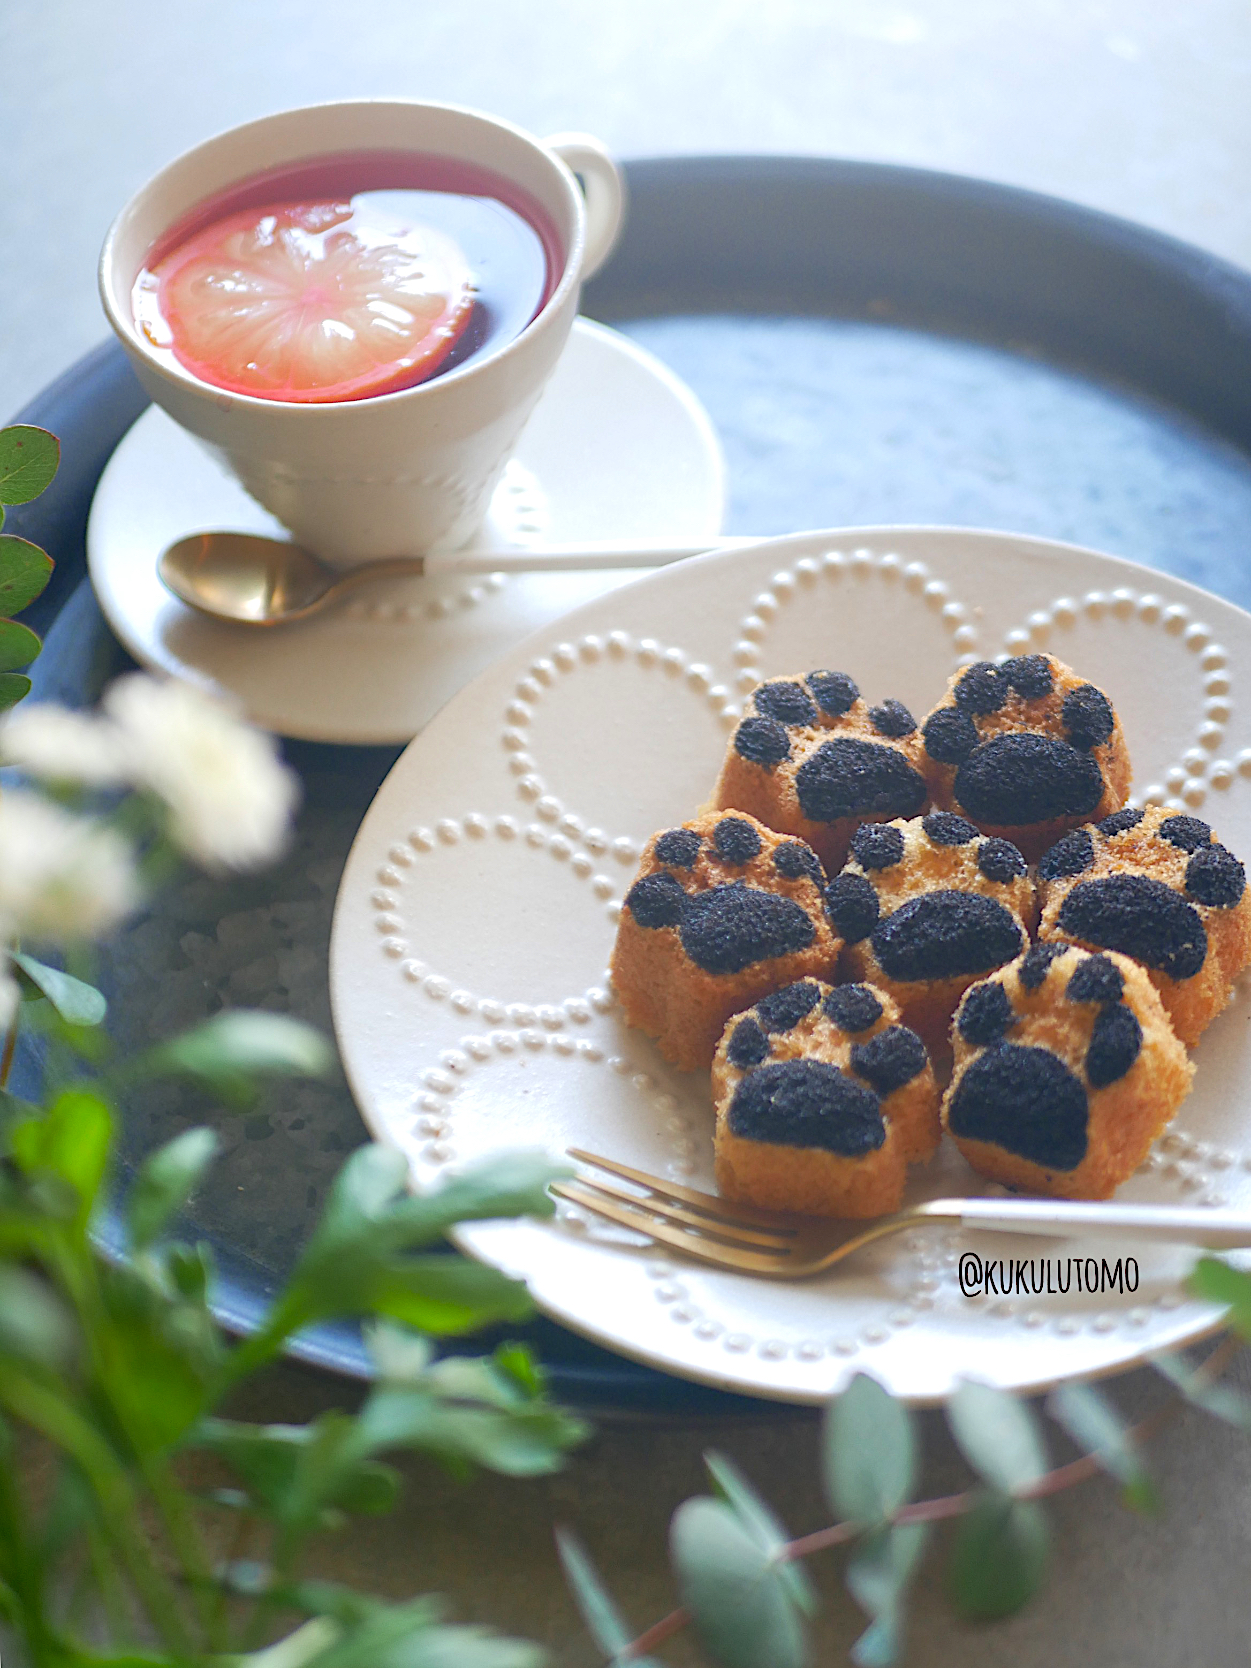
(1213, 1230)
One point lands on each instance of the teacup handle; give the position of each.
(603, 187)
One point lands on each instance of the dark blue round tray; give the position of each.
(875, 345)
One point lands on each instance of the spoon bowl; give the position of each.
(246, 577)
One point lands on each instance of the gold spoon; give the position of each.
(261, 581)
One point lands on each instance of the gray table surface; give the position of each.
(1135, 106)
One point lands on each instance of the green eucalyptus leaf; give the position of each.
(14, 687)
(999, 1557)
(1222, 1283)
(18, 646)
(34, 1325)
(761, 1524)
(28, 461)
(604, 1622)
(1098, 1429)
(742, 1610)
(1223, 1401)
(166, 1181)
(877, 1578)
(998, 1435)
(869, 1452)
(24, 572)
(230, 1051)
(77, 1002)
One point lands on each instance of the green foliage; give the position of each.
(1098, 1429)
(122, 1368)
(230, 1052)
(998, 1435)
(742, 1608)
(1222, 1401)
(24, 572)
(13, 688)
(999, 1557)
(165, 1183)
(77, 1003)
(877, 1578)
(763, 1527)
(1222, 1283)
(604, 1622)
(28, 462)
(869, 1453)
(18, 646)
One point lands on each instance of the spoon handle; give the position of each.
(576, 557)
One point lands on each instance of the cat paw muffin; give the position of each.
(813, 759)
(926, 907)
(1066, 1070)
(1158, 887)
(722, 912)
(1025, 749)
(822, 1100)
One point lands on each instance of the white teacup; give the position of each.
(396, 474)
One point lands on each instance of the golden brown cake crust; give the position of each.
(851, 1034)
(1026, 749)
(1066, 1070)
(930, 956)
(811, 758)
(1192, 943)
(736, 910)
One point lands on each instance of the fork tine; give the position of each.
(726, 1228)
(723, 1209)
(695, 1245)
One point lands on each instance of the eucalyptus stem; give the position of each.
(945, 1506)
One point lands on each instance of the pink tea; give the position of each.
(347, 276)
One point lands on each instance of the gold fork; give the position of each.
(785, 1247)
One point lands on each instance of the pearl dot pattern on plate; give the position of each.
(1184, 787)
(837, 566)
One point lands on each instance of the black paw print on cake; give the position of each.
(812, 758)
(1025, 748)
(723, 910)
(1066, 1069)
(814, 1069)
(1159, 887)
(924, 907)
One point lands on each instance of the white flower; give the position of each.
(230, 797)
(62, 877)
(62, 746)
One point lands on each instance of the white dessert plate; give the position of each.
(617, 449)
(478, 908)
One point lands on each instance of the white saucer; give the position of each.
(478, 910)
(618, 449)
